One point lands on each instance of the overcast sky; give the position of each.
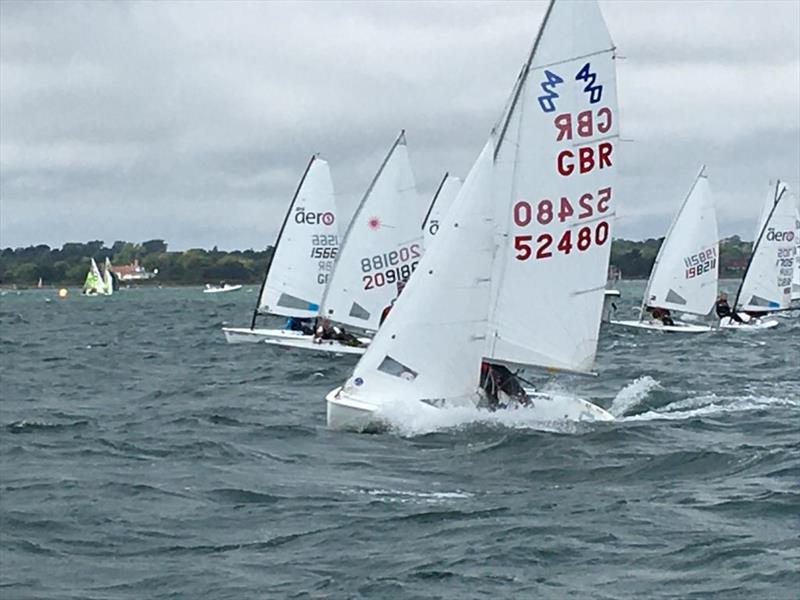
(192, 122)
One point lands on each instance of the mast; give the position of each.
(521, 80)
(666, 237)
(433, 202)
(756, 243)
(278, 239)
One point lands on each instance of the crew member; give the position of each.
(661, 314)
(723, 309)
(498, 378)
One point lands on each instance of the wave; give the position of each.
(711, 404)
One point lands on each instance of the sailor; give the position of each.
(326, 331)
(385, 313)
(723, 309)
(661, 314)
(498, 378)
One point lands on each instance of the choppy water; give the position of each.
(142, 457)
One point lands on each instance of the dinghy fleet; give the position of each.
(446, 300)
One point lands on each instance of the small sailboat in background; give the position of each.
(766, 286)
(512, 278)
(39, 284)
(796, 277)
(108, 278)
(94, 285)
(686, 270)
(442, 199)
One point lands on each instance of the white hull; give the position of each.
(679, 326)
(347, 414)
(754, 324)
(290, 339)
(220, 290)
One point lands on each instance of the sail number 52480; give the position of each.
(585, 237)
(547, 212)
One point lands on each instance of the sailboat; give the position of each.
(381, 248)
(108, 278)
(796, 277)
(528, 232)
(301, 263)
(39, 284)
(442, 199)
(94, 285)
(686, 270)
(766, 286)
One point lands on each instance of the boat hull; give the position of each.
(291, 339)
(754, 324)
(230, 288)
(348, 414)
(679, 326)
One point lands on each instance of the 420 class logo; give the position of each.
(552, 80)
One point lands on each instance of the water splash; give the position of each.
(632, 395)
(407, 420)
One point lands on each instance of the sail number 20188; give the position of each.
(546, 211)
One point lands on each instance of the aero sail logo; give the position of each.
(301, 217)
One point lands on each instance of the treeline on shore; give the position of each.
(69, 264)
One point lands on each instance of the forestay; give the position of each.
(431, 345)
(305, 249)
(382, 245)
(554, 194)
(685, 272)
(445, 194)
(767, 282)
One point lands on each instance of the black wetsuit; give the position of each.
(723, 309)
(498, 378)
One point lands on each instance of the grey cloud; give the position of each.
(193, 121)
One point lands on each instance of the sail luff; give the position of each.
(256, 311)
(766, 226)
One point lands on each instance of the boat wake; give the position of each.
(406, 420)
(711, 404)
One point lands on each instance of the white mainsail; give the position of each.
(686, 270)
(554, 195)
(305, 250)
(445, 194)
(382, 245)
(767, 282)
(431, 346)
(108, 278)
